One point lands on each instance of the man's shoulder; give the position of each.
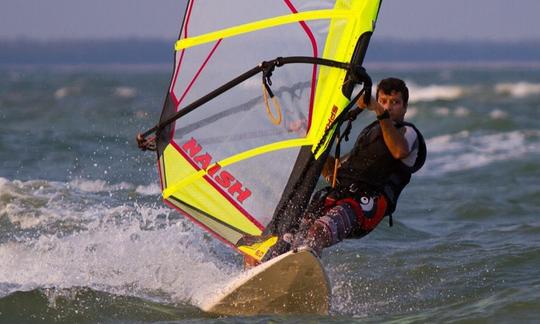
(411, 135)
(411, 130)
(408, 124)
(417, 147)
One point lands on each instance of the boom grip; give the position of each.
(362, 76)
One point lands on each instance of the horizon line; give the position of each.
(24, 38)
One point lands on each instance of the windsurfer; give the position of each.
(369, 179)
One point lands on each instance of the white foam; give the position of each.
(99, 185)
(461, 112)
(463, 151)
(519, 89)
(498, 114)
(26, 204)
(38, 204)
(434, 92)
(66, 91)
(150, 190)
(141, 114)
(125, 92)
(442, 111)
(447, 111)
(129, 250)
(446, 143)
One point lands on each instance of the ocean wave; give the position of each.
(434, 92)
(463, 151)
(126, 249)
(125, 92)
(67, 91)
(49, 206)
(127, 261)
(439, 92)
(65, 235)
(518, 90)
(87, 305)
(447, 111)
(498, 114)
(149, 190)
(28, 204)
(99, 185)
(462, 112)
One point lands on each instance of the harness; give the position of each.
(369, 210)
(372, 168)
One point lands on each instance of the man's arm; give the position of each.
(394, 139)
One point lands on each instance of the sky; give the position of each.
(495, 20)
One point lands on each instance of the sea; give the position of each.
(85, 237)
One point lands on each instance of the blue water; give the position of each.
(84, 236)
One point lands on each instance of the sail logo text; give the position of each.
(332, 118)
(223, 178)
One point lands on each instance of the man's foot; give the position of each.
(282, 245)
(250, 262)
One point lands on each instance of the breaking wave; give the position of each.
(464, 151)
(434, 92)
(518, 90)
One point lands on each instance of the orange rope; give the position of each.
(275, 120)
(336, 167)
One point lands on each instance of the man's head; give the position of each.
(393, 95)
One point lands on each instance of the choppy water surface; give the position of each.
(85, 237)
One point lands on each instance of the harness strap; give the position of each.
(369, 221)
(337, 155)
(355, 206)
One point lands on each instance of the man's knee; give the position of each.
(319, 234)
(334, 226)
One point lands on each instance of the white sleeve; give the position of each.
(412, 140)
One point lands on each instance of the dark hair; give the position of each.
(394, 84)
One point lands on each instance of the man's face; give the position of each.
(393, 102)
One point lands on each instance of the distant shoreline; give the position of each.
(158, 52)
(381, 65)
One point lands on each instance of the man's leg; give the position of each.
(334, 226)
(348, 218)
(285, 241)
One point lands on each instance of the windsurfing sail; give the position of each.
(256, 91)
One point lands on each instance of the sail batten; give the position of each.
(262, 24)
